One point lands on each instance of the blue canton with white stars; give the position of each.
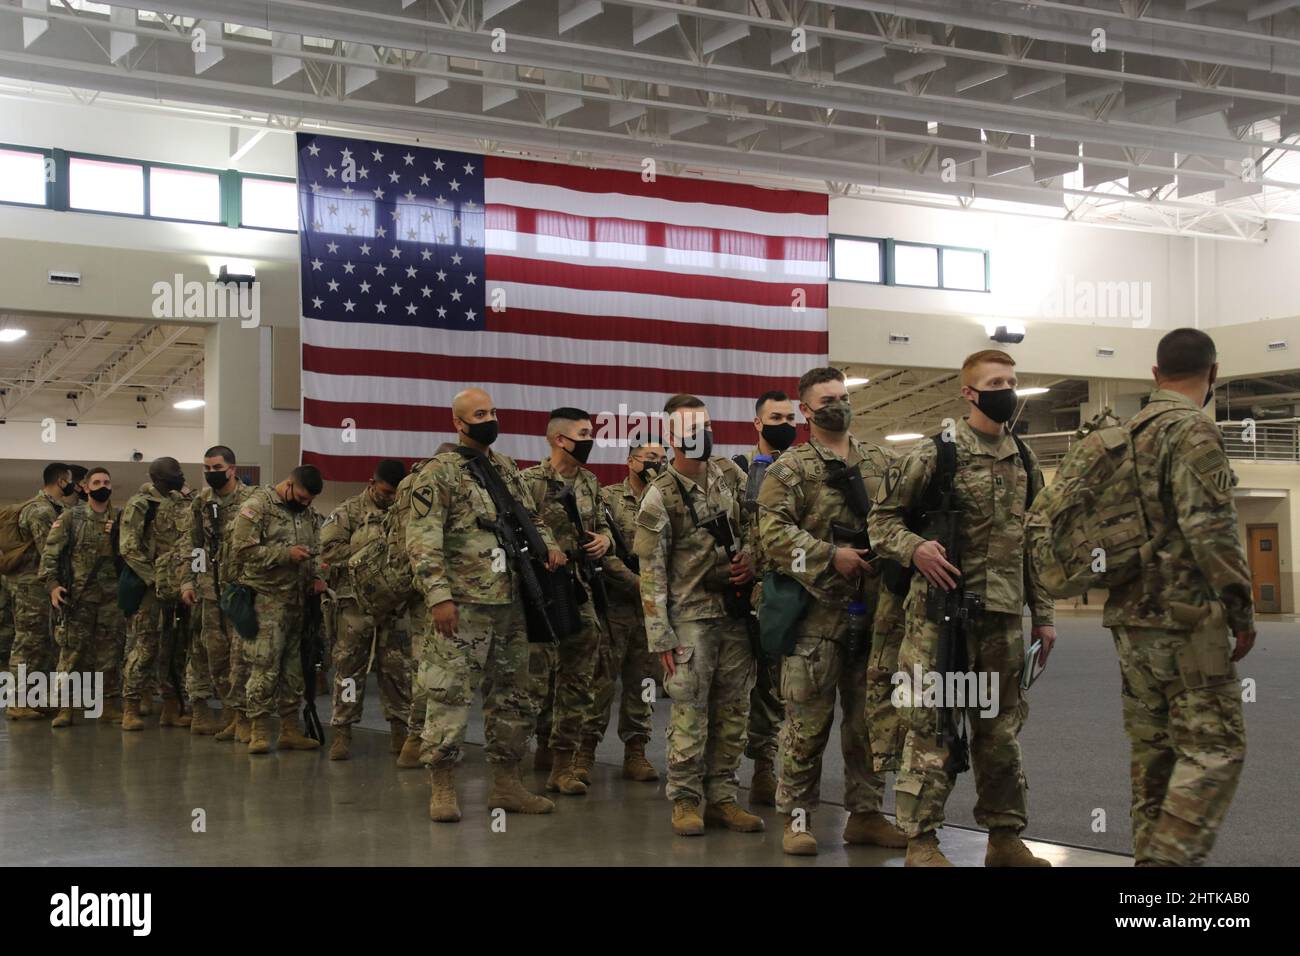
(390, 234)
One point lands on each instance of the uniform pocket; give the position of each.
(806, 673)
(684, 683)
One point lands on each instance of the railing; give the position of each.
(1277, 440)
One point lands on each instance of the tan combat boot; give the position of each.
(543, 758)
(924, 850)
(731, 816)
(229, 721)
(204, 722)
(635, 764)
(508, 792)
(23, 713)
(409, 758)
(872, 829)
(292, 737)
(443, 807)
(112, 710)
(686, 817)
(762, 789)
(259, 737)
(1007, 849)
(63, 718)
(341, 745)
(243, 727)
(397, 735)
(171, 714)
(799, 842)
(131, 716)
(584, 761)
(562, 778)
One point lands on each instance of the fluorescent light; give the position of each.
(186, 404)
(1026, 392)
(854, 382)
(904, 436)
(11, 335)
(991, 326)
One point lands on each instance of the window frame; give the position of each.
(881, 243)
(235, 204)
(888, 275)
(46, 155)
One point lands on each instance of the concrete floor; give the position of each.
(92, 795)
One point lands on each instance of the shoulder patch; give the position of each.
(782, 472)
(421, 501)
(652, 515)
(248, 512)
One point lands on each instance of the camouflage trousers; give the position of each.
(6, 623)
(885, 723)
(714, 673)
(822, 665)
(33, 643)
(563, 682)
(489, 648)
(995, 646)
(355, 633)
(207, 672)
(622, 659)
(1183, 716)
(766, 711)
(91, 637)
(275, 681)
(421, 627)
(148, 656)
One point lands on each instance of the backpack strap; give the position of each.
(1029, 470)
(741, 462)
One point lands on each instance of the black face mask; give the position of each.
(581, 449)
(102, 494)
(998, 404)
(294, 505)
(216, 479)
(485, 433)
(68, 490)
(780, 436)
(81, 493)
(649, 469)
(170, 483)
(699, 449)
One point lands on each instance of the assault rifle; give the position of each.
(589, 568)
(621, 549)
(311, 652)
(735, 597)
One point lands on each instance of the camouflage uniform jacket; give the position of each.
(990, 492)
(94, 572)
(34, 522)
(625, 584)
(683, 570)
(1186, 484)
(451, 556)
(339, 532)
(797, 508)
(202, 534)
(546, 485)
(264, 530)
(142, 546)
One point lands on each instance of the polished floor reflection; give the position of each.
(91, 795)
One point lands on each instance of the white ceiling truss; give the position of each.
(1185, 123)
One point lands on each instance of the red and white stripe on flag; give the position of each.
(612, 294)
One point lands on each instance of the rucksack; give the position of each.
(1089, 529)
(13, 546)
(379, 569)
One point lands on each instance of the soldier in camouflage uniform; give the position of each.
(565, 675)
(151, 530)
(705, 652)
(990, 491)
(478, 617)
(272, 548)
(774, 422)
(6, 622)
(91, 630)
(350, 525)
(807, 531)
(624, 658)
(1182, 700)
(885, 723)
(209, 668)
(33, 645)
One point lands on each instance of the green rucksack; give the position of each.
(379, 569)
(13, 545)
(1088, 528)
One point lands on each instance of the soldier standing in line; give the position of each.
(699, 633)
(624, 657)
(208, 672)
(78, 571)
(813, 508)
(774, 422)
(566, 674)
(478, 617)
(149, 532)
(33, 645)
(993, 478)
(1182, 700)
(272, 547)
(349, 526)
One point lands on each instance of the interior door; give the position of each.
(1265, 575)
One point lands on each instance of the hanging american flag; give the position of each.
(425, 271)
